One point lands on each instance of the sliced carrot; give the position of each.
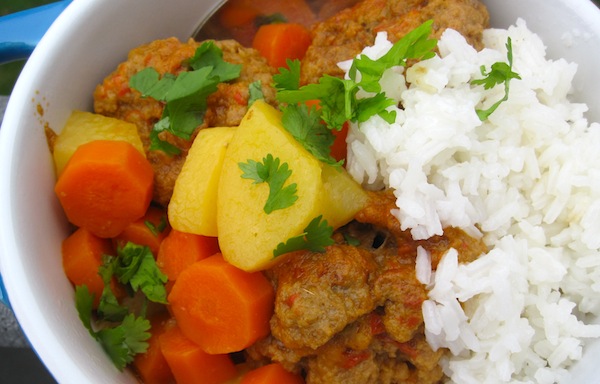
(190, 364)
(150, 230)
(273, 373)
(220, 307)
(82, 257)
(105, 186)
(151, 365)
(281, 41)
(237, 13)
(179, 250)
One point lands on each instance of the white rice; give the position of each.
(527, 180)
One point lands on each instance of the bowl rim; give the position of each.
(44, 341)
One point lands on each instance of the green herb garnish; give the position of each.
(337, 97)
(316, 236)
(158, 228)
(123, 334)
(305, 125)
(273, 173)
(135, 265)
(288, 79)
(185, 95)
(121, 342)
(255, 92)
(500, 73)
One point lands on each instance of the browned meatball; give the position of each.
(226, 106)
(344, 35)
(319, 294)
(353, 314)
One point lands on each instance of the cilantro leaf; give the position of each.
(376, 105)
(275, 175)
(124, 341)
(135, 265)
(306, 127)
(84, 303)
(338, 98)
(156, 143)
(209, 55)
(149, 83)
(156, 229)
(109, 307)
(270, 19)
(288, 78)
(499, 73)
(316, 236)
(415, 45)
(149, 279)
(186, 101)
(185, 95)
(255, 92)
(121, 342)
(351, 240)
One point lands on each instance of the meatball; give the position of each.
(344, 35)
(226, 107)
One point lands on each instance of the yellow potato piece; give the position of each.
(193, 206)
(83, 127)
(342, 196)
(247, 235)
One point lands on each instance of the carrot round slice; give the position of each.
(82, 257)
(281, 41)
(190, 364)
(105, 186)
(150, 230)
(273, 373)
(179, 250)
(151, 365)
(220, 307)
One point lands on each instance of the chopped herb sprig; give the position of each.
(275, 174)
(185, 95)
(337, 97)
(123, 334)
(316, 236)
(500, 73)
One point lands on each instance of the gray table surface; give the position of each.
(10, 332)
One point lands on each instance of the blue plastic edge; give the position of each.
(21, 31)
(3, 295)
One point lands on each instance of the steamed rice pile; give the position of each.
(527, 180)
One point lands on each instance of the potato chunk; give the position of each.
(248, 235)
(193, 206)
(83, 127)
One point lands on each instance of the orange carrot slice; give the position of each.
(179, 250)
(82, 257)
(281, 41)
(271, 374)
(190, 364)
(237, 13)
(151, 365)
(150, 230)
(220, 307)
(105, 186)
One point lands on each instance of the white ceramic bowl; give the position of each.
(87, 42)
